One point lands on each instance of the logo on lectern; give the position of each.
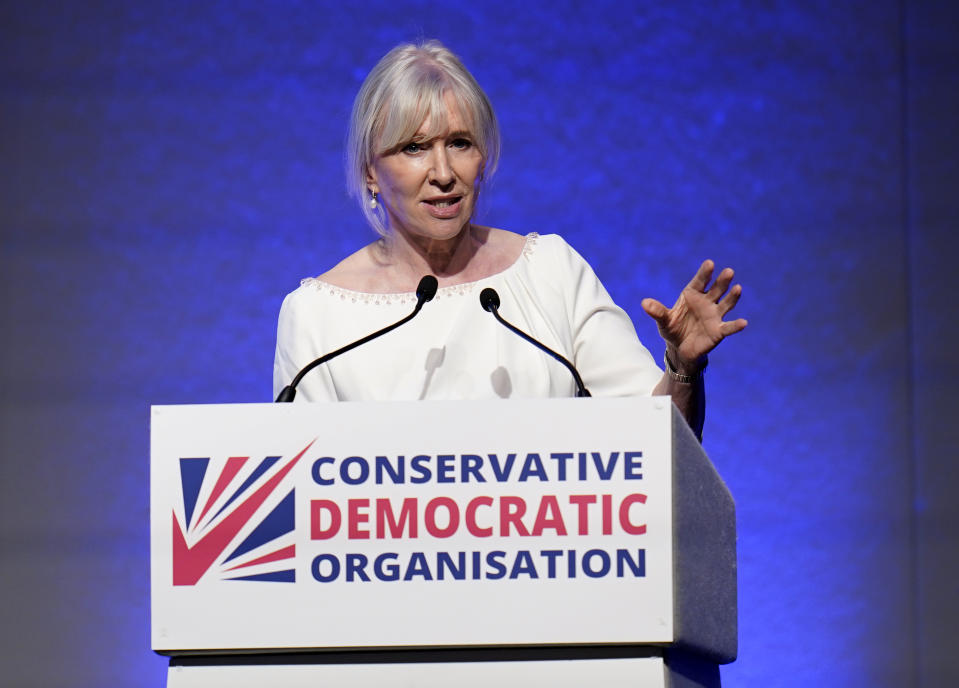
(230, 508)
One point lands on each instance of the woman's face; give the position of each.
(428, 186)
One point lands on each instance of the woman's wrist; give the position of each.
(682, 370)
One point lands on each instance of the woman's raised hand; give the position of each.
(694, 326)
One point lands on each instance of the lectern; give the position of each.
(559, 542)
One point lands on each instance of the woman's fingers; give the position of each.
(733, 326)
(721, 284)
(655, 310)
(702, 277)
(729, 301)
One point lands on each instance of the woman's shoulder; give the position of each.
(521, 253)
(551, 251)
(359, 271)
(499, 250)
(501, 240)
(515, 246)
(354, 280)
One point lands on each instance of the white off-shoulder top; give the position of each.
(453, 349)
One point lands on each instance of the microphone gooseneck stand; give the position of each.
(489, 299)
(425, 291)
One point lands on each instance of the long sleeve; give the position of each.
(606, 350)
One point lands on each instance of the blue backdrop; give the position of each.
(172, 169)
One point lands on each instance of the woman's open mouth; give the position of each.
(444, 207)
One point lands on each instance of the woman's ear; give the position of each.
(371, 184)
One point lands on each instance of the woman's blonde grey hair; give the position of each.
(408, 85)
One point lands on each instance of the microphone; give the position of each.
(489, 300)
(425, 291)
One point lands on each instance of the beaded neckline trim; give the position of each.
(410, 297)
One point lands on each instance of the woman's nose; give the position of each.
(441, 172)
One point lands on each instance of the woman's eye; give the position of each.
(412, 148)
(462, 144)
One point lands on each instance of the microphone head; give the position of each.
(489, 299)
(426, 289)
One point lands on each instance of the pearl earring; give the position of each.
(373, 200)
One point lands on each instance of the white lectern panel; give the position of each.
(411, 524)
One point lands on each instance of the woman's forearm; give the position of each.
(688, 391)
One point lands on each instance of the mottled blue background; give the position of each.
(170, 171)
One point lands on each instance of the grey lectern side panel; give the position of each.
(704, 552)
